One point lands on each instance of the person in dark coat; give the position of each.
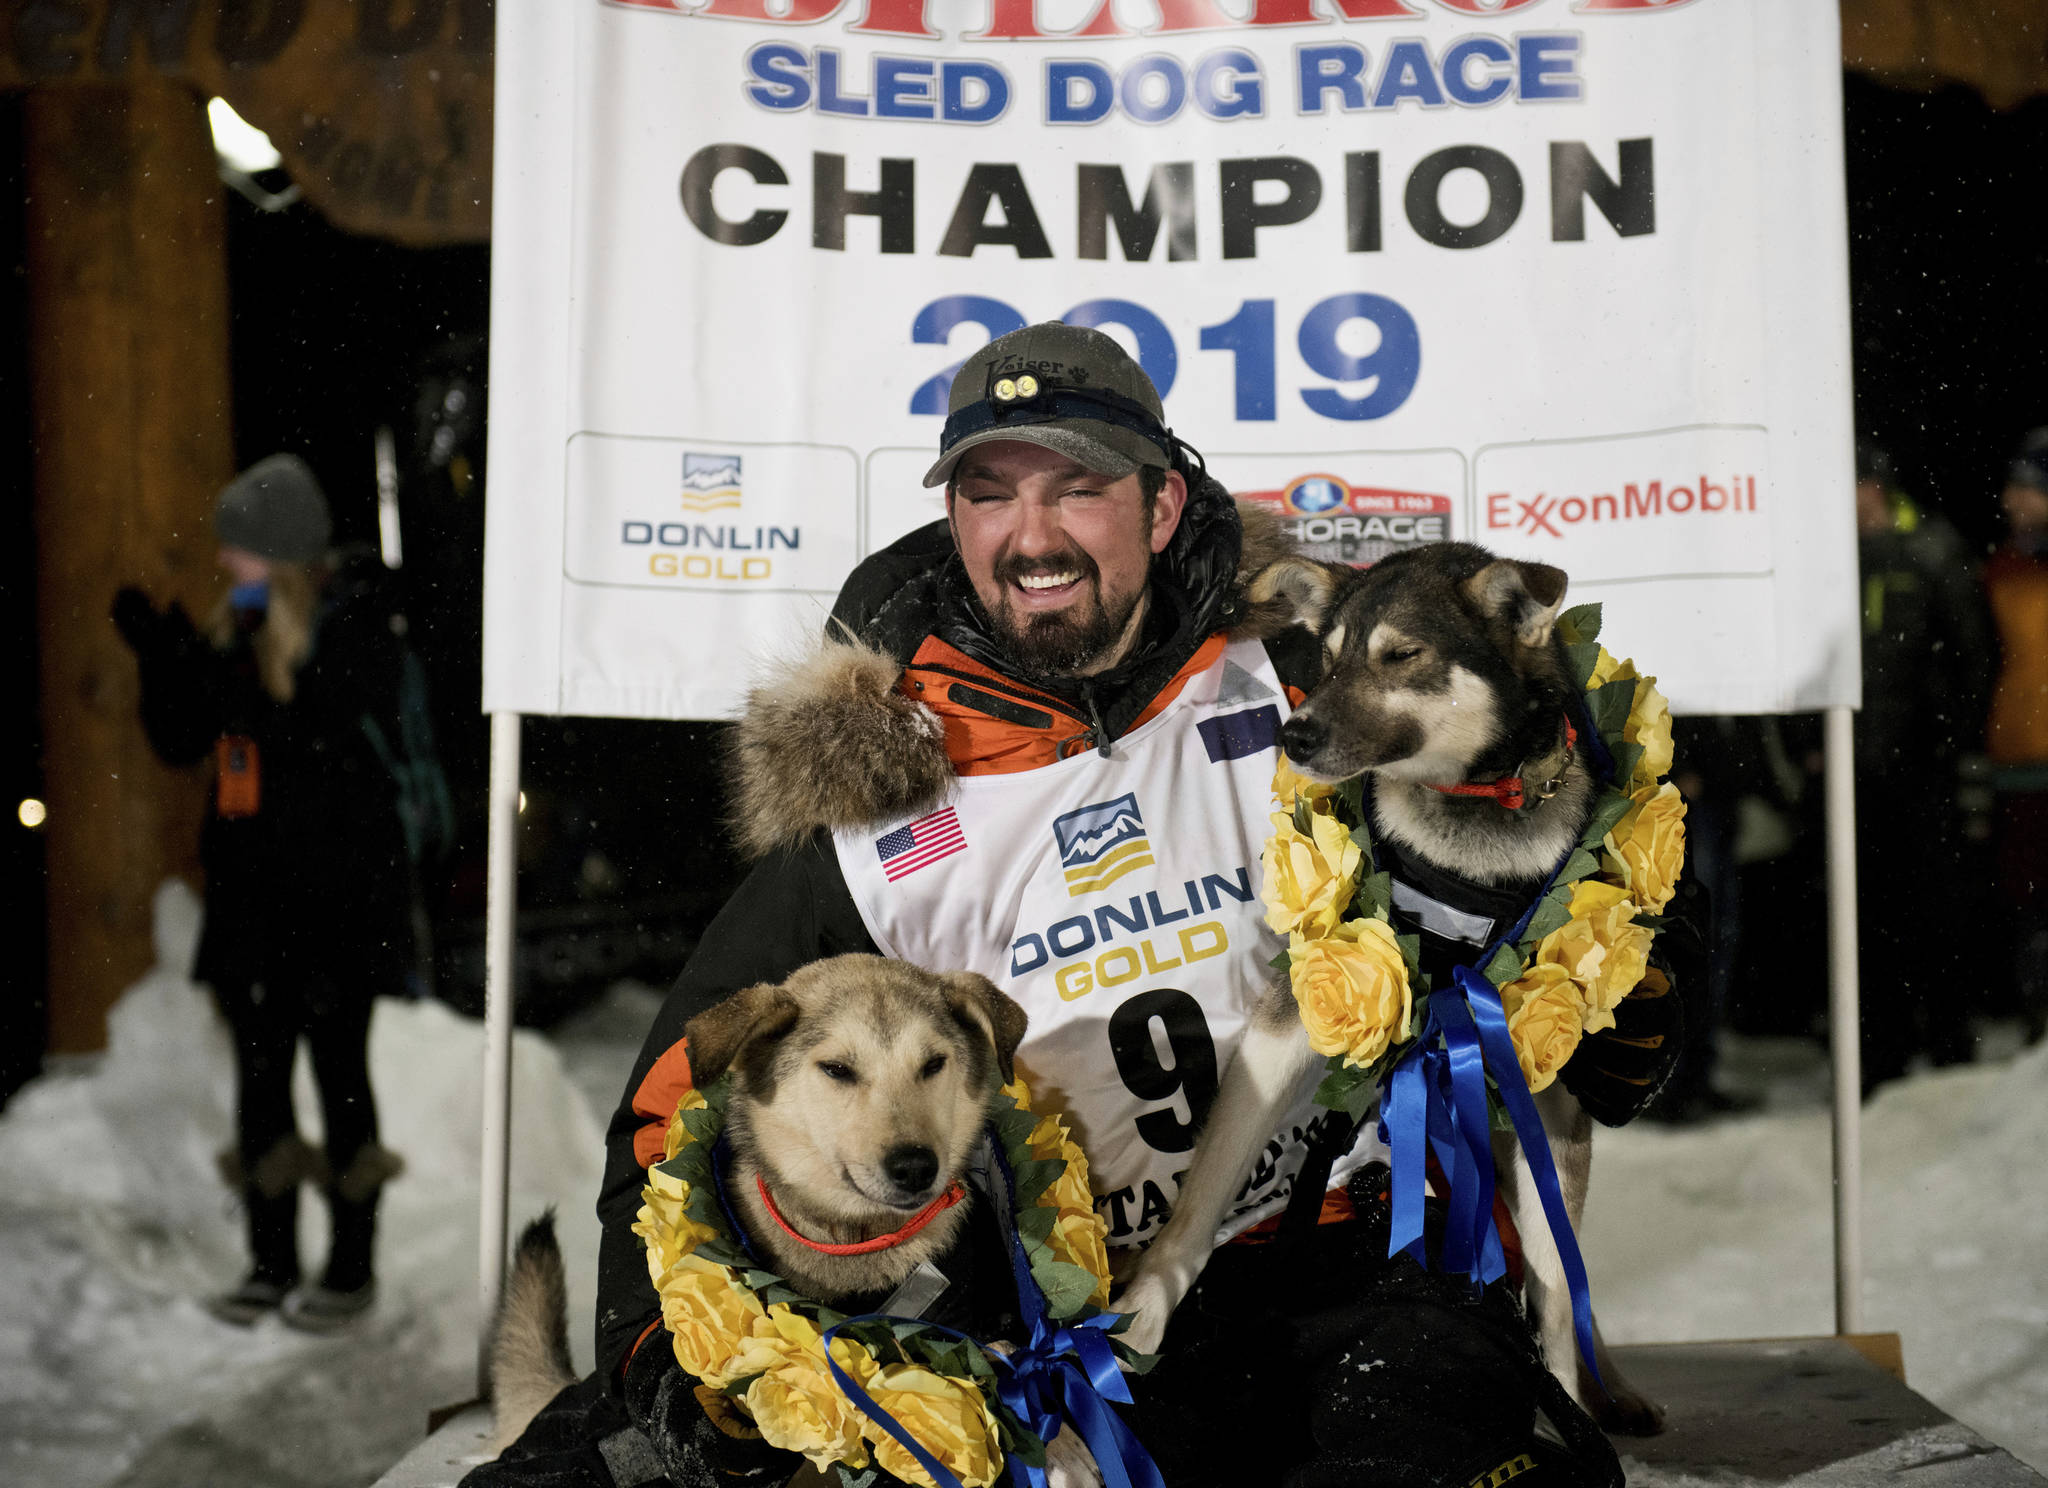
(292, 694)
(1929, 660)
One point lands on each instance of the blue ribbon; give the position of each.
(1437, 1095)
(1062, 1375)
(1492, 1021)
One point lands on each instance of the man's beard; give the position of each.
(1060, 643)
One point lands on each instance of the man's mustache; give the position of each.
(1015, 567)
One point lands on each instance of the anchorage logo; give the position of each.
(710, 482)
(1099, 844)
(1337, 522)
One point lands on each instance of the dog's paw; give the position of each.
(1069, 1463)
(1155, 1289)
(1626, 1413)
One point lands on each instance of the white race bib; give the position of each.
(1117, 899)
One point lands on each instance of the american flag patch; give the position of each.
(924, 841)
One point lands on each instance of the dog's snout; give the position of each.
(1303, 737)
(911, 1167)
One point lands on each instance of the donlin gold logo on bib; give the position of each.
(1101, 843)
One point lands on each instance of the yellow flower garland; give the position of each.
(1351, 976)
(725, 1335)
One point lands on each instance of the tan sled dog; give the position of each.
(859, 1091)
(1439, 667)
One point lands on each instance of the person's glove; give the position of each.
(144, 627)
(1618, 1071)
(698, 1435)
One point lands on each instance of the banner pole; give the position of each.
(1844, 1018)
(501, 906)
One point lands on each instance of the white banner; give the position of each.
(1567, 278)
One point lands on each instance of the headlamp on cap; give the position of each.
(1006, 390)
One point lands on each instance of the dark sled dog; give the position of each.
(1439, 667)
(859, 1091)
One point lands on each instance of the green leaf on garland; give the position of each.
(1304, 812)
(1023, 1443)
(1581, 864)
(1626, 757)
(1013, 1127)
(1139, 1363)
(1374, 897)
(738, 1388)
(1351, 798)
(978, 1364)
(1607, 811)
(1347, 1089)
(1505, 966)
(1579, 625)
(1067, 1287)
(1411, 952)
(1035, 1176)
(1035, 1222)
(1582, 657)
(1609, 705)
(1554, 911)
(1281, 961)
(758, 1279)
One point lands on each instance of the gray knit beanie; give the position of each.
(275, 510)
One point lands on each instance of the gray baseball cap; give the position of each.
(1063, 387)
(275, 509)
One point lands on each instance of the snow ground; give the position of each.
(113, 1224)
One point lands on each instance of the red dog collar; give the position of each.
(1510, 791)
(917, 1222)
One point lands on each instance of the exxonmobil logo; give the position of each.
(1019, 20)
(1654, 498)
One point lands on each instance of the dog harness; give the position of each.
(1117, 898)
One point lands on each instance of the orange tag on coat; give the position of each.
(238, 780)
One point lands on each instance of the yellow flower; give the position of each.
(1649, 718)
(1352, 988)
(1646, 848)
(677, 1135)
(1545, 1018)
(664, 1222)
(1080, 1239)
(1309, 879)
(795, 1401)
(710, 1316)
(946, 1417)
(1649, 724)
(1603, 952)
(1069, 1192)
(1290, 785)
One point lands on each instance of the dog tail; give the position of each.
(530, 1336)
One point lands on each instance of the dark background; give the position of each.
(622, 859)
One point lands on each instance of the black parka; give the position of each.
(316, 882)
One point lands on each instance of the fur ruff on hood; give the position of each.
(827, 741)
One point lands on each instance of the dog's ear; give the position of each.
(722, 1032)
(1296, 591)
(984, 1005)
(1527, 596)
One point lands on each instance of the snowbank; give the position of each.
(115, 1224)
(1727, 1231)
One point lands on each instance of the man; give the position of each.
(1044, 752)
(1928, 660)
(2016, 580)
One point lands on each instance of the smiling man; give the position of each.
(1039, 744)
